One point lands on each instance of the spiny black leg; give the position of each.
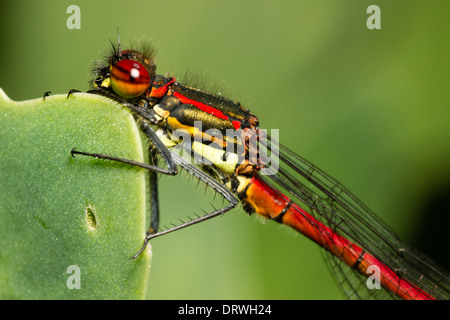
(46, 94)
(146, 240)
(208, 180)
(126, 161)
(137, 110)
(71, 92)
(154, 200)
(146, 114)
(160, 148)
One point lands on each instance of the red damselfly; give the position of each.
(219, 142)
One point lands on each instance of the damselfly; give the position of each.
(218, 141)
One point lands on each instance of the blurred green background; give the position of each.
(370, 107)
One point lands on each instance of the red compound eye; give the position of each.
(129, 78)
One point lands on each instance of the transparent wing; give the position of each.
(338, 209)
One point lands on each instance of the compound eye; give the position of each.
(129, 78)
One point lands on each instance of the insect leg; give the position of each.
(154, 200)
(144, 117)
(208, 180)
(157, 143)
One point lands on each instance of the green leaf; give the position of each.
(59, 211)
